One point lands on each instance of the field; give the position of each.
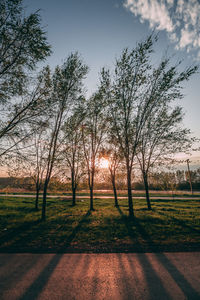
(172, 225)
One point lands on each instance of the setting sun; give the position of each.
(104, 163)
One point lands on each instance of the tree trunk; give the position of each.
(73, 188)
(73, 196)
(91, 198)
(37, 197)
(115, 191)
(130, 200)
(92, 188)
(146, 185)
(44, 200)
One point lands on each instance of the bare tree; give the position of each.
(30, 160)
(189, 173)
(134, 92)
(162, 137)
(73, 155)
(66, 92)
(40, 146)
(23, 43)
(93, 132)
(128, 104)
(21, 119)
(114, 157)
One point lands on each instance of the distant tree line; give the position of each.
(50, 129)
(166, 181)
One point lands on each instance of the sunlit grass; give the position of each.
(171, 225)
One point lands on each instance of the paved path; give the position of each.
(100, 276)
(101, 197)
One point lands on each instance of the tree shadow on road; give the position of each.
(152, 281)
(14, 269)
(177, 276)
(38, 285)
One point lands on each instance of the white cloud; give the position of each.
(180, 19)
(153, 11)
(186, 38)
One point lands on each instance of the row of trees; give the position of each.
(158, 180)
(48, 126)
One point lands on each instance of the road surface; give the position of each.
(101, 197)
(100, 276)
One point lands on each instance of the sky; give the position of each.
(100, 29)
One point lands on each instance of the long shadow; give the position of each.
(129, 223)
(14, 272)
(179, 222)
(25, 228)
(16, 231)
(95, 280)
(125, 284)
(178, 277)
(6, 259)
(176, 201)
(154, 283)
(74, 232)
(37, 286)
(153, 280)
(21, 209)
(125, 219)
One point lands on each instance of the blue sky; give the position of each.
(100, 29)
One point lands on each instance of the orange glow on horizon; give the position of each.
(104, 163)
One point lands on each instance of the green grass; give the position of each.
(109, 193)
(172, 225)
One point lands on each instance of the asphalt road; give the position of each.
(101, 197)
(100, 276)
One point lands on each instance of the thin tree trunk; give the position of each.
(91, 185)
(115, 191)
(130, 200)
(73, 189)
(91, 198)
(73, 196)
(146, 185)
(37, 197)
(44, 200)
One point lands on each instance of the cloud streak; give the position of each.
(179, 18)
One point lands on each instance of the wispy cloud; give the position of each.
(179, 18)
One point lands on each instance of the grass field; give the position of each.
(153, 193)
(172, 225)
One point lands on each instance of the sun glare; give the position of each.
(104, 163)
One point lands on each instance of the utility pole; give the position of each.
(188, 166)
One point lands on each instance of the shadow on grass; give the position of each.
(22, 238)
(137, 233)
(39, 284)
(178, 277)
(21, 209)
(174, 201)
(74, 232)
(179, 222)
(10, 235)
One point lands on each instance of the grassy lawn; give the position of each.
(172, 225)
(136, 193)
